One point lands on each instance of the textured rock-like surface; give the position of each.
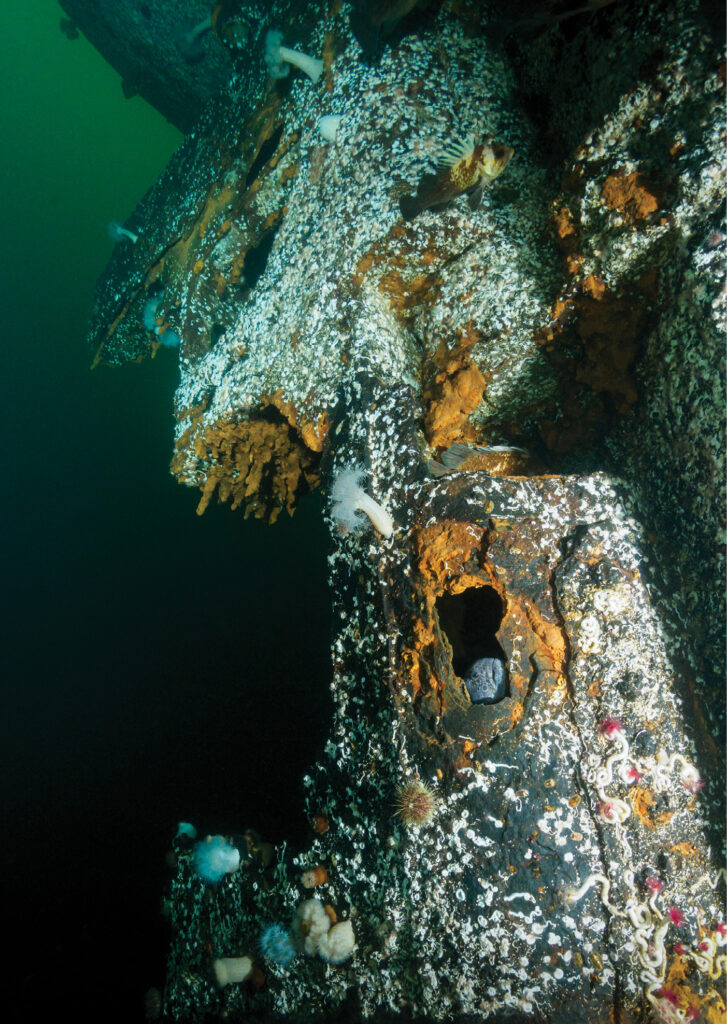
(611, 359)
(641, 319)
(567, 871)
(568, 819)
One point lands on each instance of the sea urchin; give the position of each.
(415, 803)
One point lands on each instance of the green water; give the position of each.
(149, 657)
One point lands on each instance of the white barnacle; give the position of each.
(589, 634)
(328, 126)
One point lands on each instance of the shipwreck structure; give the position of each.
(519, 806)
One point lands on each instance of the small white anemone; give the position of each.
(348, 500)
(336, 945)
(310, 924)
(328, 126)
(117, 233)
(276, 54)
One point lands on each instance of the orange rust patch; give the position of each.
(254, 463)
(442, 552)
(403, 295)
(631, 195)
(642, 800)
(594, 286)
(685, 849)
(453, 392)
(364, 265)
(594, 688)
(444, 549)
(677, 981)
(450, 558)
(395, 251)
(712, 1006)
(565, 229)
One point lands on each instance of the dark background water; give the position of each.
(156, 665)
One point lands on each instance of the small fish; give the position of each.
(463, 169)
(495, 459)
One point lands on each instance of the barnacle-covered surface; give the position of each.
(205, 213)
(369, 292)
(567, 872)
(558, 812)
(638, 330)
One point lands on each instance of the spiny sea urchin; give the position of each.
(415, 803)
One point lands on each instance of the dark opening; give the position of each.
(265, 152)
(470, 621)
(257, 258)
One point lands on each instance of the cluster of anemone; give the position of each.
(313, 931)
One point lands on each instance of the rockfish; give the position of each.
(464, 169)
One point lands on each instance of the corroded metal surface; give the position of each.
(565, 869)
(172, 56)
(568, 820)
(141, 39)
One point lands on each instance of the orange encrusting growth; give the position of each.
(454, 391)
(631, 194)
(258, 464)
(312, 433)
